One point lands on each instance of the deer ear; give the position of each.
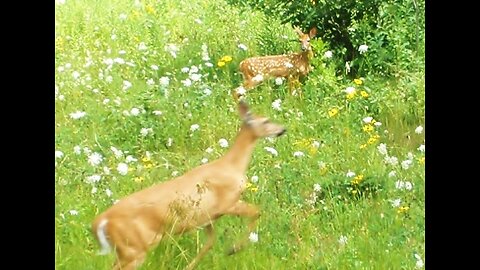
(244, 111)
(298, 31)
(313, 32)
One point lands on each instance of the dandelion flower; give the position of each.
(223, 143)
(95, 158)
(276, 104)
(357, 81)
(77, 115)
(363, 48)
(122, 168)
(332, 112)
(419, 130)
(364, 94)
(271, 150)
(253, 237)
(367, 128)
(221, 63)
(328, 54)
(226, 58)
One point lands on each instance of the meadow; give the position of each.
(143, 94)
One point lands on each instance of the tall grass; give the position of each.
(113, 60)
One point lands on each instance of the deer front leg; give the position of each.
(250, 211)
(210, 241)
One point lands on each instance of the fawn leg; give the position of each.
(247, 210)
(210, 241)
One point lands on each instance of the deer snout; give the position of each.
(281, 132)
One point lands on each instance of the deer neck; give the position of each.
(240, 154)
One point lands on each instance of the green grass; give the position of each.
(293, 234)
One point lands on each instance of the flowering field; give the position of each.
(143, 94)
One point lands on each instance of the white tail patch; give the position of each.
(102, 238)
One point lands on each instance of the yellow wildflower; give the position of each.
(357, 81)
(138, 179)
(372, 140)
(221, 63)
(226, 58)
(148, 166)
(367, 128)
(350, 96)
(364, 94)
(150, 9)
(421, 160)
(248, 185)
(145, 159)
(332, 112)
(254, 189)
(357, 179)
(354, 191)
(403, 209)
(135, 14)
(130, 169)
(363, 146)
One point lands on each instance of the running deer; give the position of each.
(289, 66)
(138, 222)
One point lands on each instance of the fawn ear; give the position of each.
(313, 32)
(298, 31)
(244, 111)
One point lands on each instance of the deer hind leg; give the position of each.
(210, 241)
(249, 211)
(131, 262)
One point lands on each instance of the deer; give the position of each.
(138, 222)
(289, 66)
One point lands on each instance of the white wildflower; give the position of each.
(316, 144)
(169, 142)
(119, 60)
(157, 113)
(317, 187)
(406, 164)
(363, 48)
(391, 160)
(73, 212)
(195, 77)
(175, 173)
(94, 190)
(207, 92)
(208, 64)
(130, 159)
(187, 82)
(145, 131)
(242, 47)
(164, 81)
(377, 124)
(350, 90)
(328, 54)
(209, 150)
(116, 152)
(204, 160)
(399, 184)
(350, 174)
(106, 101)
(95, 158)
(223, 143)
(253, 237)
(126, 85)
(419, 130)
(134, 111)
(193, 69)
(87, 151)
(276, 104)
(288, 65)
(298, 154)
(392, 174)
(58, 154)
(76, 75)
(122, 52)
(185, 69)
(77, 150)
(172, 49)
(419, 263)
(241, 90)
(271, 150)
(342, 240)
(258, 78)
(122, 168)
(154, 67)
(106, 170)
(150, 82)
(254, 179)
(108, 192)
(382, 148)
(122, 16)
(142, 46)
(278, 81)
(367, 119)
(194, 127)
(408, 185)
(93, 179)
(396, 202)
(421, 148)
(77, 115)
(59, 2)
